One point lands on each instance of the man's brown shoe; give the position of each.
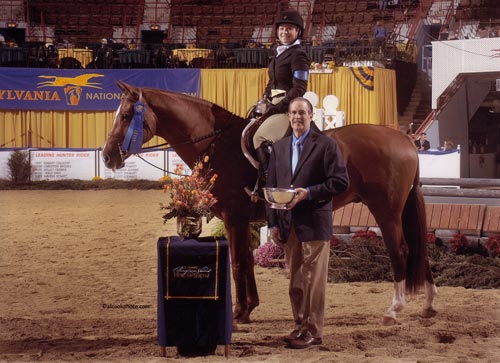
(292, 336)
(304, 342)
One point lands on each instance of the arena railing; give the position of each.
(216, 55)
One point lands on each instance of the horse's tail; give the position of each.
(415, 233)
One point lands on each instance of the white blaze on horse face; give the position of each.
(114, 123)
(112, 128)
(117, 113)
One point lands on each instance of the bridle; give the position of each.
(132, 143)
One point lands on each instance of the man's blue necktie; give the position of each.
(295, 155)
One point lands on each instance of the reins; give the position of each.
(193, 141)
(198, 139)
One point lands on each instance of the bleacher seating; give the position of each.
(353, 18)
(85, 22)
(234, 20)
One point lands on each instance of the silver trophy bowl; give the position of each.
(279, 198)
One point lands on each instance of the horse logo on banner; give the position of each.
(72, 85)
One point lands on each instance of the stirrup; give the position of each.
(254, 196)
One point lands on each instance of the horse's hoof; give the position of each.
(251, 307)
(389, 321)
(241, 316)
(243, 319)
(429, 313)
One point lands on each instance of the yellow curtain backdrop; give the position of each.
(360, 105)
(234, 89)
(237, 90)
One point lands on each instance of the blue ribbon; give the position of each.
(133, 139)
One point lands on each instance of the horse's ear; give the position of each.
(121, 85)
(126, 88)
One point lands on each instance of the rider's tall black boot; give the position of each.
(262, 153)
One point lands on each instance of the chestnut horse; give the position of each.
(382, 165)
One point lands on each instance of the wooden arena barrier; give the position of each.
(491, 220)
(470, 219)
(466, 218)
(353, 215)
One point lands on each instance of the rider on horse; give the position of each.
(288, 75)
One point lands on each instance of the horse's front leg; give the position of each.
(398, 303)
(242, 264)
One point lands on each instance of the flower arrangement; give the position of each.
(430, 238)
(269, 255)
(493, 245)
(190, 196)
(370, 236)
(458, 243)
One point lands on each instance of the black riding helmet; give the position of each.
(290, 17)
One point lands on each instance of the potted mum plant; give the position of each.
(190, 198)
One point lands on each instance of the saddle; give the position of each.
(255, 120)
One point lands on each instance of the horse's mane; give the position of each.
(220, 112)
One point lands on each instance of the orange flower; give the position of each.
(190, 195)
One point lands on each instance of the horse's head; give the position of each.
(134, 117)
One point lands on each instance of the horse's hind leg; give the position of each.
(392, 233)
(415, 229)
(430, 293)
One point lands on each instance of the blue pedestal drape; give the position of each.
(194, 294)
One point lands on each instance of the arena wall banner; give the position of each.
(85, 89)
(135, 168)
(173, 160)
(84, 164)
(58, 164)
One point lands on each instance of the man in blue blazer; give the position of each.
(312, 164)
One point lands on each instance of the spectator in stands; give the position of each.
(104, 55)
(131, 45)
(379, 35)
(382, 4)
(222, 53)
(2, 40)
(447, 146)
(422, 143)
(160, 57)
(41, 56)
(482, 32)
(288, 77)
(52, 55)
